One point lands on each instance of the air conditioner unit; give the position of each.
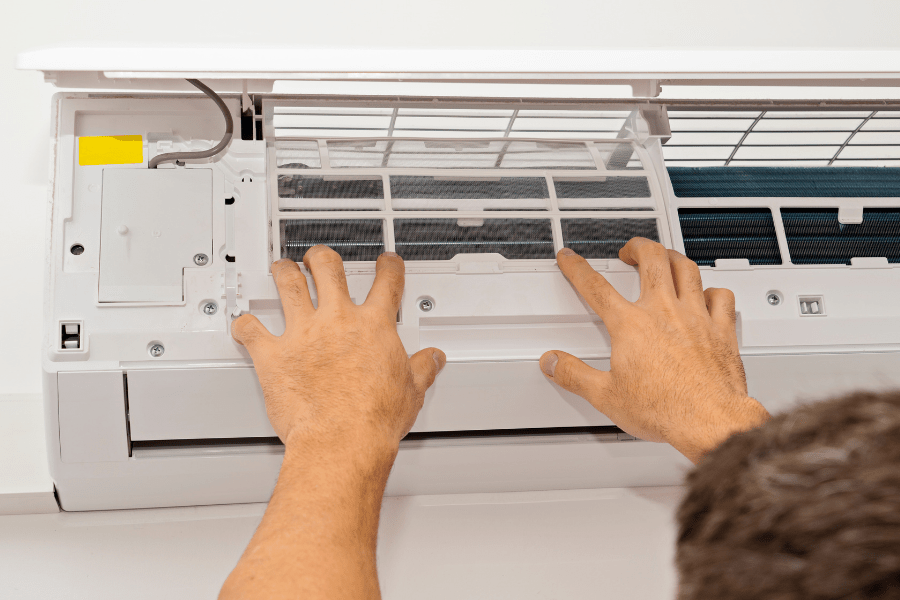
(794, 205)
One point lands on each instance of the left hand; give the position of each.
(339, 373)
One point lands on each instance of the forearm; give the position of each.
(318, 536)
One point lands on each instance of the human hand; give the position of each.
(675, 372)
(339, 373)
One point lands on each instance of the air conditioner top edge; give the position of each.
(134, 66)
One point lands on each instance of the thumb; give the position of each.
(574, 375)
(247, 331)
(425, 365)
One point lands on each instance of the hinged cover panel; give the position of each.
(153, 223)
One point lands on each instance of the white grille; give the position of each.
(782, 138)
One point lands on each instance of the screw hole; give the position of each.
(77, 249)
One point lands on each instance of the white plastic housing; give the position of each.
(132, 426)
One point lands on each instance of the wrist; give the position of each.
(342, 449)
(740, 414)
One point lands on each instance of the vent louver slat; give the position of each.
(748, 233)
(816, 237)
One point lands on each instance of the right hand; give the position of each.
(676, 374)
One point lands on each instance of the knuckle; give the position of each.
(597, 290)
(288, 275)
(392, 272)
(653, 251)
(244, 330)
(724, 295)
(295, 287)
(321, 254)
(655, 275)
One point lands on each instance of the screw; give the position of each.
(157, 350)
(200, 259)
(774, 299)
(210, 308)
(425, 304)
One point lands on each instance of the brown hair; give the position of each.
(805, 507)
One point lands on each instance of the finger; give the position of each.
(687, 280)
(327, 270)
(388, 285)
(600, 295)
(248, 331)
(574, 375)
(293, 290)
(720, 304)
(425, 365)
(652, 261)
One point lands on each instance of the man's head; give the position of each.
(806, 506)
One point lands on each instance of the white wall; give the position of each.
(650, 23)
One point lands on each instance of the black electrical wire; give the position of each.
(229, 131)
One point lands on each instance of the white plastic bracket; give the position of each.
(646, 88)
(246, 101)
(850, 215)
(733, 264)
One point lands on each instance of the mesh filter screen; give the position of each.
(408, 186)
(603, 238)
(311, 193)
(581, 195)
(442, 239)
(410, 192)
(748, 233)
(353, 239)
(612, 187)
(461, 177)
(816, 237)
(303, 186)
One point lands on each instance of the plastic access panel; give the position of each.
(154, 223)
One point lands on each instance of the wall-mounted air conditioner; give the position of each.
(794, 205)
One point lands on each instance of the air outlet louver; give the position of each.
(816, 237)
(442, 239)
(603, 238)
(353, 239)
(748, 233)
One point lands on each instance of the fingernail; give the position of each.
(391, 254)
(567, 251)
(548, 365)
(439, 359)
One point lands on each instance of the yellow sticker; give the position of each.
(110, 150)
